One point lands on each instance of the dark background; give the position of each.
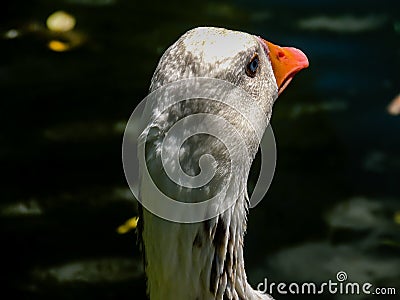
(334, 203)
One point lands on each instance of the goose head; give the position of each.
(261, 68)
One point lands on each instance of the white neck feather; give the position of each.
(197, 261)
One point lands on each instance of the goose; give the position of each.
(204, 260)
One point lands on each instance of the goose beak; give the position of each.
(286, 62)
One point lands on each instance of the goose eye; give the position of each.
(252, 66)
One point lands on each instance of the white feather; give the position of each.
(180, 257)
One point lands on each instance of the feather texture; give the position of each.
(203, 260)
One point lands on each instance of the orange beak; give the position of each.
(286, 62)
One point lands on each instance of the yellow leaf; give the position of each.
(60, 21)
(58, 46)
(128, 225)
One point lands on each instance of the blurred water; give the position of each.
(64, 194)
